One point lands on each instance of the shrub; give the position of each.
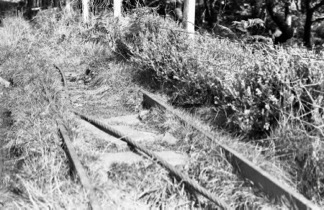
(252, 86)
(256, 87)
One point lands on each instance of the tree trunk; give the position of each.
(189, 17)
(257, 10)
(211, 13)
(283, 23)
(85, 11)
(207, 12)
(308, 25)
(308, 28)
(117, 8)
(178, 10)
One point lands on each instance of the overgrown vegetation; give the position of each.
(209, 167)
(36, 172)
(261, 91)
(254, 91)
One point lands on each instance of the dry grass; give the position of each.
(210, 167)
(37, 173)
(254, 91)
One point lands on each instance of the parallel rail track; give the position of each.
(246, 168)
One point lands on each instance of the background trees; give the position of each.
(311, 9)
(302, 19)
(299, 20)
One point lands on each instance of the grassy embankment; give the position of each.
(270, 97)
(36, 173)
(253, 91)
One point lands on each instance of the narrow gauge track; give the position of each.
(245, 167)
(78, 169)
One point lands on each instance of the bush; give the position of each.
(253, 85)
(260, 90)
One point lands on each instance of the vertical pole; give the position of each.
(117, 8)
(85, 11)
(68, 7)
(189, 17)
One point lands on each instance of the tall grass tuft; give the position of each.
(13, 30)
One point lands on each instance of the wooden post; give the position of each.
(117, 8)
(85, 11)
(189, 17)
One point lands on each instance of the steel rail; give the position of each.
(84, 180)
(64, 83)
(76, 165)
(246, 168)
(189, 182)
(78, 168)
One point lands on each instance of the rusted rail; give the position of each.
(78, 168)
(246, 168)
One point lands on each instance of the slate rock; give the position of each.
(126, 120)
(171, 157)
(142, 115)
(4, 82)
(135, 135)
(169, 138)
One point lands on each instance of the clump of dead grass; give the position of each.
(13, 31)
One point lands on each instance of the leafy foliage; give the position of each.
(256, 87)
(253, 93)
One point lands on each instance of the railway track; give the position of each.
(244, 167)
